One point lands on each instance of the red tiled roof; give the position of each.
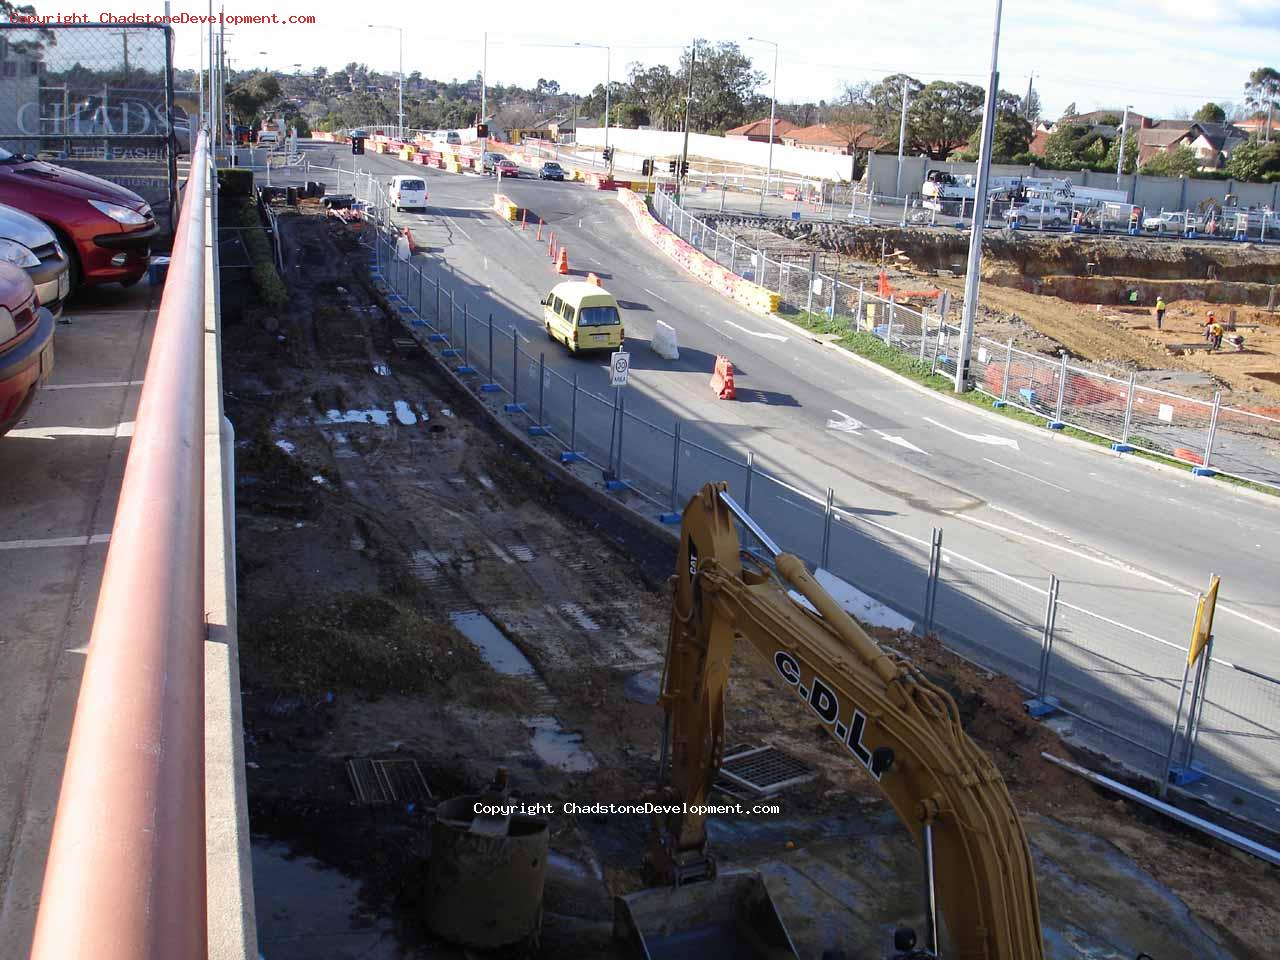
(822, 135)
(1039, 142)
(760, 128)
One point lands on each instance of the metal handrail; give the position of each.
(125, 878)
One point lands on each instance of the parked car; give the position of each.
(551, 171)
(1039, 213)
(26, 345)
(104, 229)
(506, 168)
(489, 162)
(408, 192)
(1171, 222)
(27, 243)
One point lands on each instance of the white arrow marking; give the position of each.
(846, 423)
(755, 333)
(978, 437)
(899, 441)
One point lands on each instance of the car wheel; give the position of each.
(1056, 222)
(76, 279)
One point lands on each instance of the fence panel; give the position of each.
(1115, 677)
(1247, 445)
(1169, 424)
(890, 566)
(648, 449)
(1096, 402)
(793, 517)
(1238, 735)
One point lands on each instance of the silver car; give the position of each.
(27, 243)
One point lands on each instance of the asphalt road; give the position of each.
(1128, 542)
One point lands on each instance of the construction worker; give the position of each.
(1160, 309)
(1215, 336)
(1208, 325)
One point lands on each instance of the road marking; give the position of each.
(846, 423)
(806, 507)
(652, 294)
(978, 437)
(49, 433)
(1005, 466)
(54, 542)
(595, 261)
(901, 442)
(756, 333)
(100, 385)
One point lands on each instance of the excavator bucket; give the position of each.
(731, 917)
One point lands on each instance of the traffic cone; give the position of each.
(523, 215)
(562, 264)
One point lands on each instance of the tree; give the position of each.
(1029, 107)
(723, 84)
(1251, 161)
(1181, 161)
(1262, 91)
(943, 116)
(884, 99)
(320, 73)
(1130, 152)
(1012, 136)
(248, 97)
(1210, 113)
(851, 118)
(1074, 145)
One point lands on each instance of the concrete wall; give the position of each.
(1154, 193)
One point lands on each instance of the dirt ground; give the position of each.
(376, 504)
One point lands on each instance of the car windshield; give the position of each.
(551, 166)
(598, 317)
(412, 185)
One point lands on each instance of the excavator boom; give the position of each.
(899, 727)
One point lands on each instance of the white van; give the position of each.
(408, 192)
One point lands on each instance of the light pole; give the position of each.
(902, 138)
(399, 30)
(1123, 126)
(974, 263)
(608, 54)
(688, 103)
(773, 107)
(484, 83)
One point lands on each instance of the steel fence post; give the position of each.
(888, 329)
(1213, 427)
(1062, 390)
(613, 432)
(857, 317)
(733, 254)
(453, 304)
(813, 272)
(515, 367)
(622, 422)
(541, 426)
(573, 417)
(675, 470)
(1197, 704)
(937, 348)
(832, 309)
(715, 254)
(931, 580)
(1046, 638)
(466, 342)
(826, 527)
(924, 331)
(1173, 733)
(1008, 363)
(437, 282)
(421, 305)
(1128, 410)
(751, 469)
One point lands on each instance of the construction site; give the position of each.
(437, 620)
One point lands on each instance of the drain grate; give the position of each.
(764, 770)
(388, 781)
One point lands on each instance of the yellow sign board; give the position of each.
(1203, 628)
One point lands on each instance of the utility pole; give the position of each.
(1120, 160)
(773, 106)
(684, 153)
(484, 79)
(974, 263)
(902, 138)
(1026, 107)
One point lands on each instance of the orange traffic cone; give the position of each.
(562, 264)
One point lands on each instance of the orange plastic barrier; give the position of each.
(722, 379)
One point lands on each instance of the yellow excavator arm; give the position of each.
(896, 724)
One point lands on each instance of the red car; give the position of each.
(26, 345)
(506, 168)
(106, 230)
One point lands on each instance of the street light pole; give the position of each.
(773, 107)
(400, 31)
(688, 102)
(902, 138)
(608, 82)
(1124, 124)
(484, 79)
(974, 263)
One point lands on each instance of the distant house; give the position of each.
(828, 139)
(758, 131)
(1258, 125)
(1039, 141)
(1096, 117)
(1212, 143)
(1157, 140)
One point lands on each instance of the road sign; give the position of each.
(619, 367)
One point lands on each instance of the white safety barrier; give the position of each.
(664, 342)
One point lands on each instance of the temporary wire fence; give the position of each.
(1206, 434)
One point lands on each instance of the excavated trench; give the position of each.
(1077, 268)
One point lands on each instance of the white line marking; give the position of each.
(901, 442)
(977, 437)
(1005, 466)
(807, 508)
(54, 542)
(103, 384)
(846, 423)
(755, 333)
(49, 433)
(595, 261)
(652, 294)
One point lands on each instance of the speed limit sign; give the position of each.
(619, 367)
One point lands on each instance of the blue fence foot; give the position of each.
(539, 432)
(615, 485)
(417, 322)
(1122, 447)
(437, 337)
(998, 404)
(669, 518)
(1181, 776)
(1204, 472)
(513, 408)
(450, 352)
(570, 456)
(1055, 424)
(1041, 706)
(465, 369)
(490, 388)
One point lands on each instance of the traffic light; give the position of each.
(482, 131)
(608, 154)
(357, 145)
(671, 167)
(684, 168)
(646, 167)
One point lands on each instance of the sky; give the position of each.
(1158, 55)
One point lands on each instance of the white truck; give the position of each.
(269, 135)
(949, 193)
